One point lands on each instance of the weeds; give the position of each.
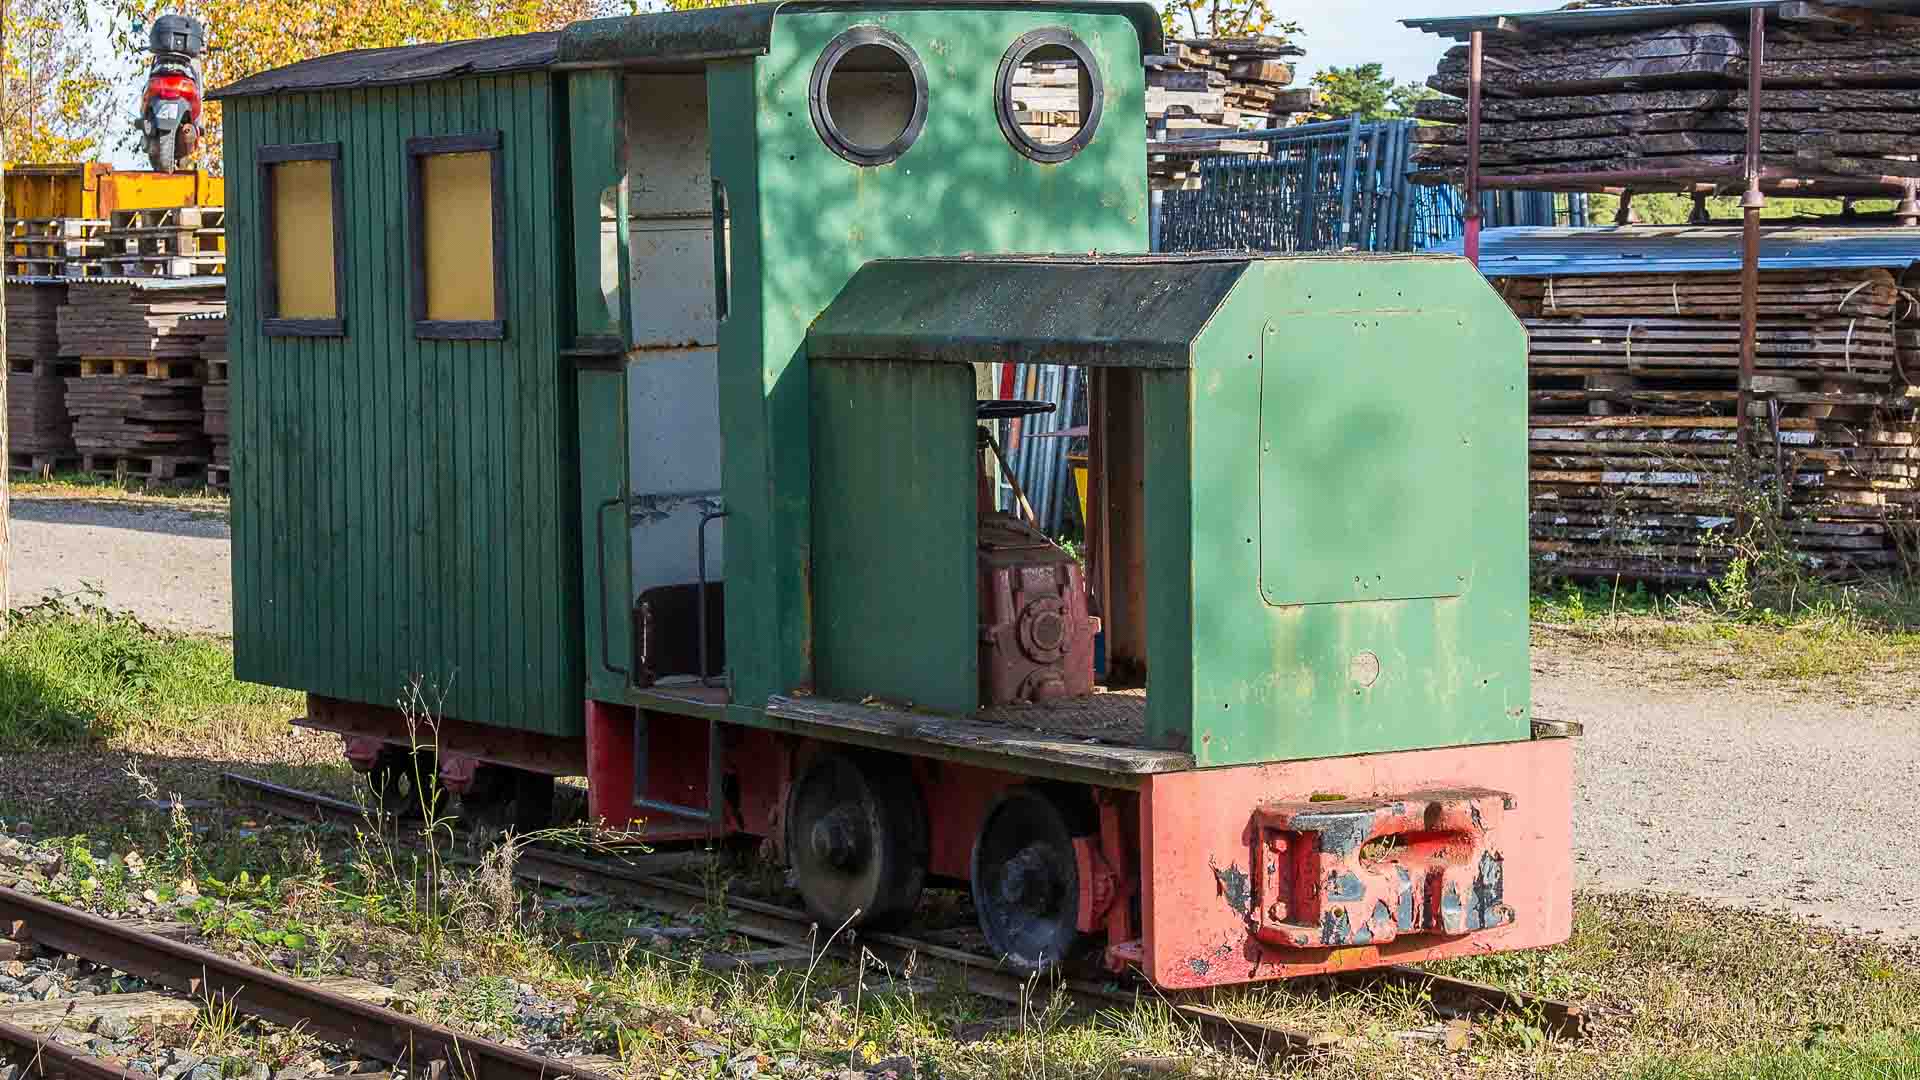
(72, 671)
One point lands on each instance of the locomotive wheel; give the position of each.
(392, 781)
(1026, 881)
(504, 797)
(857, 839)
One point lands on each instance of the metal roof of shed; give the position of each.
(362, 68)
(1539, 251)
(1601, 20)
(1105, 311)
(1135, 311)
(668, 39)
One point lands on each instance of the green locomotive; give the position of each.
(621, 381)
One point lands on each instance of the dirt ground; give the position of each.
(1766, 794)
(167, 562)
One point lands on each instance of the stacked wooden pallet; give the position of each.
(1839, 101)
(1202, 92)
(54, 247)
(136, 400)
(39, 432)
(211, 331)
(185, 241)
(1634, 387)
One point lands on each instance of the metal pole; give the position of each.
(1751, 204)
(1476, 56)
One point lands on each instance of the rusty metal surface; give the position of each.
(42, 1057)
(1198, 886)
(1434, 869)
(363, 1028)
(549, 754)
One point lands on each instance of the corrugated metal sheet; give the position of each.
(404, 64)
(1600, 20)
(1641, 249)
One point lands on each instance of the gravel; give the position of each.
(166, 564)
(1759, 795)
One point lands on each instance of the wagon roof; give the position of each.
(1106, 311)
(1136, 311)
(662, 40)
(362, 68)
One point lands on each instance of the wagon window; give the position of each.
(868, 96)
(457, 224)
(300, 240)
(1048, 95)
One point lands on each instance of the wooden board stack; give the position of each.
(212, 333)
(1206, 89)
(136, 401)
(39, 432)
(1203, 91)
(54, 247)
(184, 241)
(1633, 387)
(1838, 101)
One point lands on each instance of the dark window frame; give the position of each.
(822, 115)
(422, 146)
(271, 324)
(1024, 46)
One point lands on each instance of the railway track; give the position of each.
(977, 973)
(409, 1045)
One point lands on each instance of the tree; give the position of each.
(57, 105)
(246, 37)
(1223, 18)
(1364, 90)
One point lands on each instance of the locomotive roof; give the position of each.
(669, 40)
(1139, 311)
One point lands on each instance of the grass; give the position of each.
(1681, 990)
(73, 672)
(1839, 632)
(93, 486)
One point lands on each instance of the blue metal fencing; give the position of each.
(1332, 186)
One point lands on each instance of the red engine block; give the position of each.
(1036, 640)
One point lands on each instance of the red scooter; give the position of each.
(170, 108)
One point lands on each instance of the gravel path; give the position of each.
(166, 564)
(1751, 793)
(1748, 793)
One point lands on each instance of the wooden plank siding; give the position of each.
(403, 507)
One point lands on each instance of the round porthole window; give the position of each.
(868, 96)
(1048, 95)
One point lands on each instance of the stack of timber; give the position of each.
(1838, 102)
(39, 432)
(136, 400)
(54, 247)
(1633, 426)
(1202, 93)
(176, 242)
(211, 331)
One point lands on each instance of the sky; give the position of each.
(1341, 33)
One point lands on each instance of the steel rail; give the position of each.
(40, 1056)
(415, 1045)
(973, 972)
